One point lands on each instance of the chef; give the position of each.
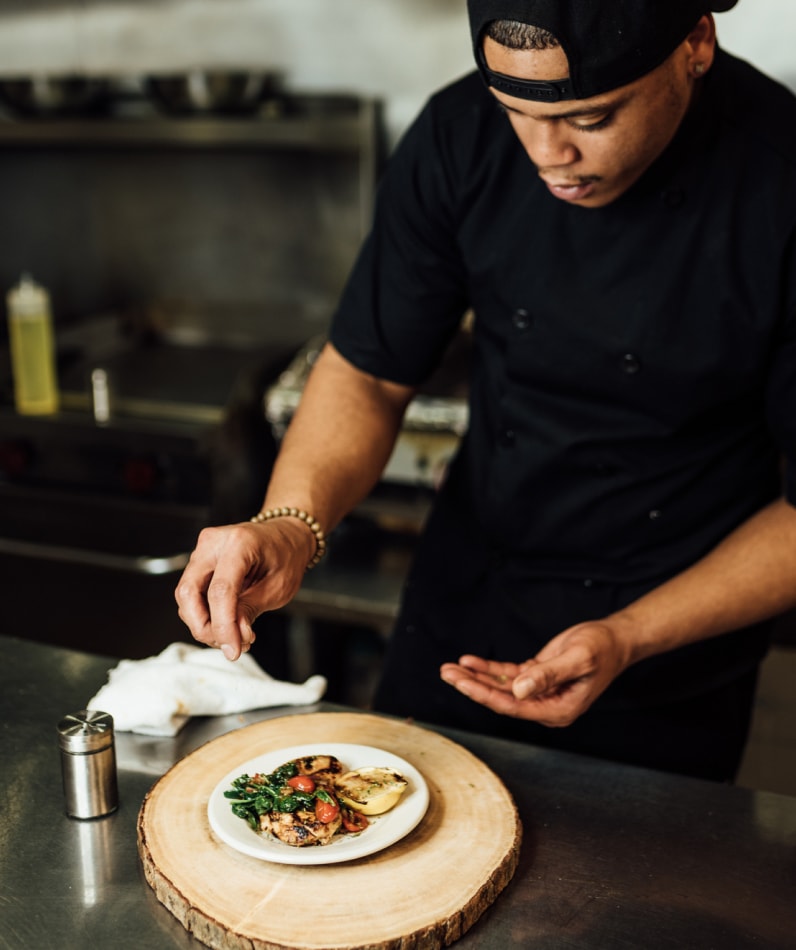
(613, 197)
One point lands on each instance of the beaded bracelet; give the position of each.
(320, 541)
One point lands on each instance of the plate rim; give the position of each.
(308, 857)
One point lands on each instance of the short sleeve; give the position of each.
(407, 292)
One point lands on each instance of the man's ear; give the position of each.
(700, 46)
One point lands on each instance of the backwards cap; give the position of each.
(608, 43)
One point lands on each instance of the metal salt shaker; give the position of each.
(88, 763)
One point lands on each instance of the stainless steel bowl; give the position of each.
(211, 91)
(54, 95)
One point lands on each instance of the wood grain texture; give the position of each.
(424, 891)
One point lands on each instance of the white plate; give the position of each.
(382, 831)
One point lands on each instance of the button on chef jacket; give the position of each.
(633, 382)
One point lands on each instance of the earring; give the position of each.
(699, 68)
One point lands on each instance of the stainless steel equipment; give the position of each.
(433, 424)
(44, 95)
(201, 91)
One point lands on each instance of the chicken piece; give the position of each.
(323, 768)
(299, 828)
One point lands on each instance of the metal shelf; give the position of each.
(349, 132)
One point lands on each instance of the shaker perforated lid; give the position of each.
(87, 730)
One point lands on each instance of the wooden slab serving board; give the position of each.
(424, 891)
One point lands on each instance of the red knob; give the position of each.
(140, 475)
(16, 457)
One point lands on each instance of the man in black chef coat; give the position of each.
(614, 197)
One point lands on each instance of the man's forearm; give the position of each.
(339, 440)
(747, 578)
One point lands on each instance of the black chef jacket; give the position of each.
(633, 386)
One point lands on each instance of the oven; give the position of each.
(99, 510)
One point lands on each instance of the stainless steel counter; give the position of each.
(612, 857)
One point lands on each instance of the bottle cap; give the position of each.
(27, 296)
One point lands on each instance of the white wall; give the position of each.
(398, 50)
(764, 32)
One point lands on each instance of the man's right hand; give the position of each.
(238, 572)
(332, 454)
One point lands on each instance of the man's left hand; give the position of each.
(553, 688)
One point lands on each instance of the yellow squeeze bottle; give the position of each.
(32, 349)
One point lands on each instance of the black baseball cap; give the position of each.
(608, 43)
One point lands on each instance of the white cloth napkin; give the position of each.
(157, 696)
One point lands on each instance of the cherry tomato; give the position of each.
(326, 811)
(354, 821)
(302, 783)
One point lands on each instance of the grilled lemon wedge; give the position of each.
(371, 791)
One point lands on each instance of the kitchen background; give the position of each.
(191, 258)
(396, 50)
